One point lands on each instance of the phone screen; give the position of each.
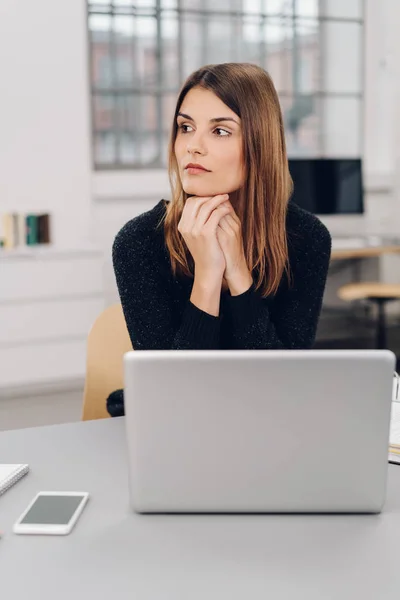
(52, 510)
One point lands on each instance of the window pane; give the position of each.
(145, 52)
(98, 3)
(137, 69)
(170, 59)
(342, 61)
(128, 148)
(307, 8)
(252, 6)
(220, 5)
(121, 114)
(276, 54)
(147, 116)
(192, 4)
(169, 103)
(101, 64)
(252, 38)
(103, 112)
(194, 36)
(130, 114)
(148, 128)
(123, 52)
(305, 56)
(278, 7)
(136, 3)
(164, 152)
(341, 127)
(292, 55)
(350, 9)
(105, 148)
(136, 123)
(218, 40)
(302, 121)
(149, 149)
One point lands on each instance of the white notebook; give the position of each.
(10, 474)
(395, 424)
(394, 440)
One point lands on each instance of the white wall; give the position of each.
(44, 114)
(45, 166)
(382, 80)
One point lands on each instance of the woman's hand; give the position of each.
(230, 238)
(198, 226)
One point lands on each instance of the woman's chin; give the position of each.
(193, 189)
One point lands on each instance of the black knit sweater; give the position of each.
(159, 314)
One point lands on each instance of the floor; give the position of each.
(336, 330)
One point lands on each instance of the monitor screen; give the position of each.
(327, 186)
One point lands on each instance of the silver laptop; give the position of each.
(258, 431)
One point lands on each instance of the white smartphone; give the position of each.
(51, 513)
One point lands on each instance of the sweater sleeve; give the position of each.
(145, 288)
(290, 320)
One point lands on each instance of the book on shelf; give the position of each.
(8, 231)
(24, 229)
(15, 231)
(21, 229)
(31, 229)
(44, 229)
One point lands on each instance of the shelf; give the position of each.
(48, 251)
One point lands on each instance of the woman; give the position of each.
(229, 263)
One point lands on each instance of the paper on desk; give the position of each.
(395, 390)
(394, 438)
(394, 458)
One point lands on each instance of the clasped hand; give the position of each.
(213, 234)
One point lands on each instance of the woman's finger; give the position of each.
(234, 216)
(212, 224)
(207, 208)
(192, 208)
(230, 224)
(226, 224)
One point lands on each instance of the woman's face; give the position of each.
(209, 135)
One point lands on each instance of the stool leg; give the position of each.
(381, 325)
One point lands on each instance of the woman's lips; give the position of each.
(195, 170)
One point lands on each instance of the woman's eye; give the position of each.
(221, 132)
(185, 128)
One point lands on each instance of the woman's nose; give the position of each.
(196, 146)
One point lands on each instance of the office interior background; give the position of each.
(88, 91)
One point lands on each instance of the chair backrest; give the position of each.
(108, 340)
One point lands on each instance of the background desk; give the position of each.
(366, 252)
(352, 262)
(114, 553)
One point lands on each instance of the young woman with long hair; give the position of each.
(229, 262)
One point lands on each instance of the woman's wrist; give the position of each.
(239, 282)
(208, 279)
(206, 292)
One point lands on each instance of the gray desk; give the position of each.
(113, 553)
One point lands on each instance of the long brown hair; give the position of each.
(248, 90)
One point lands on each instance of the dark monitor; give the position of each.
(327, 186)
